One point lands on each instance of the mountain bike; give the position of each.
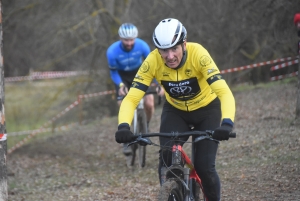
(180, 181)
(139, 126)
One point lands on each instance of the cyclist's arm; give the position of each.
(115, 77)
(112, 64)
(129, 104)
(220, 87)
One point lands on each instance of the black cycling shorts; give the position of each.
(127, 78)
(206, 118)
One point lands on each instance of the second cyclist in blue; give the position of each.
(124, 57)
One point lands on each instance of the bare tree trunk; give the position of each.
(297, 23)
(298, 88)
(3, 142)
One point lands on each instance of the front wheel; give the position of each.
(171, 190)
(142, 156)
(142, 128)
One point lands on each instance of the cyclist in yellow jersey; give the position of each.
(196, 94)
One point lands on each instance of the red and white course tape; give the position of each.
(283, 65)
(96, 94)
(279, 77)
(3, 137)
(43, 130)
(45, 75)
(256, 65)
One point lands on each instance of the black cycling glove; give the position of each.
(124, 135)
(222, 132)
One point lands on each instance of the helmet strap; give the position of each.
(184, 56)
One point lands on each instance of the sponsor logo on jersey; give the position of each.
(188, 72)
(209, 71)
(134, 85)
(182, 90)
(145, 67)
(139, 77)
(205, 60)
(166, 74)
(127, 68)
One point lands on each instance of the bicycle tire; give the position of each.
(142, 128)
(171, 190)
(131, 158)
(198, 195)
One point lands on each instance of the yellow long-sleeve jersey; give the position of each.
(192, 86)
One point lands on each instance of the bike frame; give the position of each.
(139, 124)
(177, 170)
(135, 117)
(189, 173)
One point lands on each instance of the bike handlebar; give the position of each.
(143, 138)
(183, 134)
(232, 135)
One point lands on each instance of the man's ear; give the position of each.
(158, 51)
(184, 45)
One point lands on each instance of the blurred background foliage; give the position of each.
(70, 35)
(42, 35)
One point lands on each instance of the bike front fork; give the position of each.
(189, 183)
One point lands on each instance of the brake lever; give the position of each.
(141, 140)
(144, 141)
(197, 139)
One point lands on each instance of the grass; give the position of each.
(30, 105)
(247, 86)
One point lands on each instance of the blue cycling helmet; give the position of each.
(169, 33)
(128, 31)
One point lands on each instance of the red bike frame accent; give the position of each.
(189, 164)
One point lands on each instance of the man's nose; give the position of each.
(170, 54)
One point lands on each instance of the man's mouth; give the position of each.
(171, 62)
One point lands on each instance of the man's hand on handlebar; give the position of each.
(124, 135)
(222, 132)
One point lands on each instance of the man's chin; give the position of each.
(128, 48)
(173, 65)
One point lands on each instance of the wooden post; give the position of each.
(3, 141)
(297, 24)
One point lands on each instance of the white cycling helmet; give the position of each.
(168, 33)
(128, 30)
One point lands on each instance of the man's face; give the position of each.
(172, 56)
(128, 43)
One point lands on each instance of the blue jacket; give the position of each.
(121, 60)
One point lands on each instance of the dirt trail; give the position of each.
(262, 163)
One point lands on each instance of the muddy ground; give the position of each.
(86, 164)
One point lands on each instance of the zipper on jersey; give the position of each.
(128, 60)
(185, 102)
